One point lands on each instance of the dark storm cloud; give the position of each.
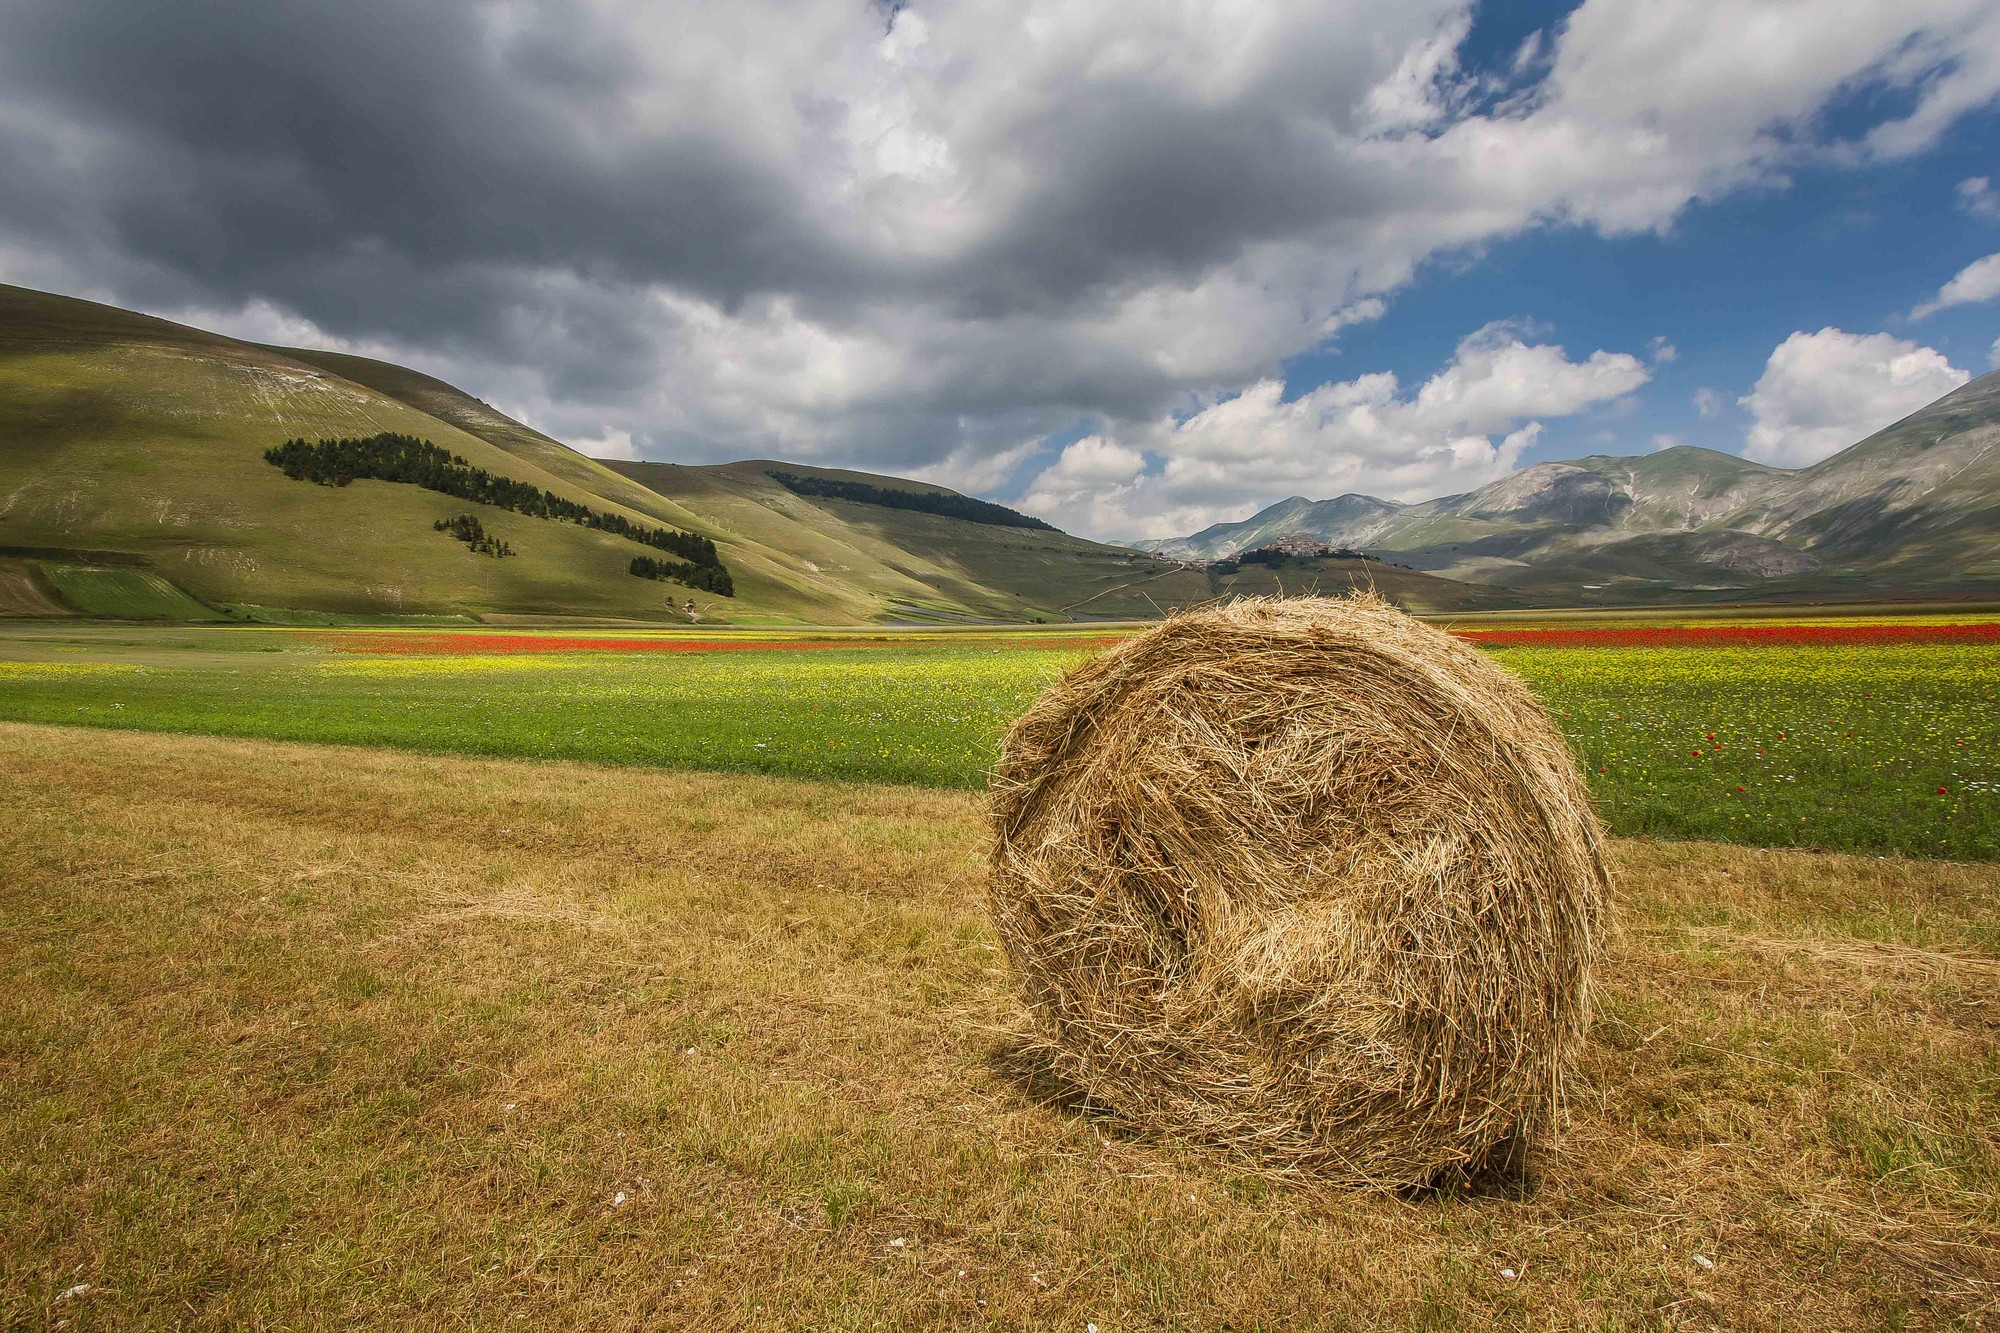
(909, 235)
(395, 168)
(380, 166)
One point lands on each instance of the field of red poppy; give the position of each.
(461, 643)
(456, 643)
(1853, 635)
(1853, 733)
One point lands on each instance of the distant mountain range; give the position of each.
(1913, 508)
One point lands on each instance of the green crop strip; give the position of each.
(1876, 749)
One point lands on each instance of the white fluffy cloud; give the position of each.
(1465, 426)
(1977, 281)
(1821, 392)
(1977, 196)
(917, 237)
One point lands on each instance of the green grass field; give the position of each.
(1892, 748)
(124, 594)
(1879, 749)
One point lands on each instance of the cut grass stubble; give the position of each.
(314, 1037)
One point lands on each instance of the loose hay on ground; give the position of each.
(346, 1107)
(1306, 879)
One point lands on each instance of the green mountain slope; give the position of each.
(128, 435)
(134, 443)
(922, 566)
(133, 484)
(1919, 498)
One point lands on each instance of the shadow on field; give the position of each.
(1506, 1174)
(1024, 1062)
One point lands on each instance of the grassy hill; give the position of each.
(133, 484)
(132, 442)
(927, 567)
(920, 566)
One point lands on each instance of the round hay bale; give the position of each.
(1307, 879)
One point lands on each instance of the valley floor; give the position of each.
(1848, 735)
(314, 1037)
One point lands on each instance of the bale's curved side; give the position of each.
(1308, 879)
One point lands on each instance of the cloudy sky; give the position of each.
(1135, 268)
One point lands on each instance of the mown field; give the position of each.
(298, 1037)
(1845, 735)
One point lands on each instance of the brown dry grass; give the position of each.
(306, 1037)
(21, 595)
(1308, 880)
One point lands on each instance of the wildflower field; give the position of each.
(1890, 748)
(1845, 735)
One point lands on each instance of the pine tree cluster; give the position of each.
(405, 458)
(708, 578)
(474, 534)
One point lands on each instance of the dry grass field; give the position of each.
(305, 1037)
